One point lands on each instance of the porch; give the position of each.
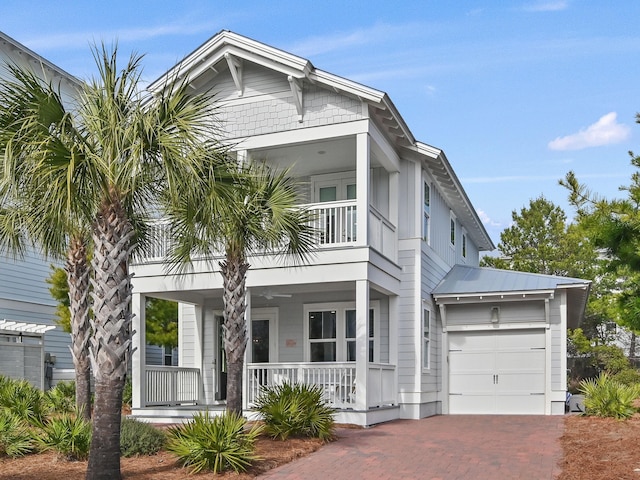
(176, 393)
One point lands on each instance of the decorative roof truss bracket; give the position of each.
(235, 67)
(296, 90)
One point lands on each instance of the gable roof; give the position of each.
(468, 282)
(42, 65)
(232, 49)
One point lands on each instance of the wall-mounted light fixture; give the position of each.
(495, 314)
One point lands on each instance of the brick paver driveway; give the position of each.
(447, 447)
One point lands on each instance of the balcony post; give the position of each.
(362, 343)
(138, 361)
(362, 187)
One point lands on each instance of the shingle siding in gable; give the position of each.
(270, 114)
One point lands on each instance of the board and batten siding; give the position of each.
(510, 312)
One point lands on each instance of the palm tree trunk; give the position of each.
(110, 348)
(78, 281)
(234, 273)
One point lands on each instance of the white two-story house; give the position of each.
(391, 316)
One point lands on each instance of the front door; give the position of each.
(264, 341)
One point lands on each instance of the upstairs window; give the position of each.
(426, 339)
(452, 223)
(426, 212)
(464, 245)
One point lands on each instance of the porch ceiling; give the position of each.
(313, 158)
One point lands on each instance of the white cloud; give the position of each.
(547, 6)
(605, 131)
(82, 39)
(486, 220)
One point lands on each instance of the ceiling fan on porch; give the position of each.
(270, 294)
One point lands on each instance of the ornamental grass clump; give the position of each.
(139, 438)
(68, 434)
(23, 400)
(215, 443)
(296, 409)
(605, 397)
(61, 398)
(16, 438)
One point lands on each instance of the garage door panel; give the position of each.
(520, 404)
(471, 341)
(524, 384)
(520, 339)
(471, 361)
(472, 404)
(520, 360)
(472, 384)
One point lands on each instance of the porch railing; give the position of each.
(382, 234)
(335, 223)
(172, 385)
(381, 386)
(336, 379)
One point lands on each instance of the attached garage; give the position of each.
(505, 339)
(497, 372)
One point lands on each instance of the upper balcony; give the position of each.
(339, 178)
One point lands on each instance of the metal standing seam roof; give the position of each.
(462, 280)
(25, 327)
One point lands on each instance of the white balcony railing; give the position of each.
(334, 222)
(338, 381)
(172, 385)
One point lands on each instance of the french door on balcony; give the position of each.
(338, 224)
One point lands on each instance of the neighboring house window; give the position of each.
(331, 334)
(452, 223)
(168, 356)
(464, 244)
(426, 212)
(426, 339)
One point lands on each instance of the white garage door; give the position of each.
(497, 372)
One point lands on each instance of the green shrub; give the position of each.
(127, 393)
(214, 443)
(62, 397)
(23, 400)
(296, 410)
(67, 434)
(139, 438)
(605, 397)
(16, 438)
(630, 376)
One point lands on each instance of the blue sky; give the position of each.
(516, 93)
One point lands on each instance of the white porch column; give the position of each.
(362, 182)
(394, 212)
(362, 343)
(394, 313)
(247, 353)
(138, 358)
(198, 354)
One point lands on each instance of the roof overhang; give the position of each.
(437, 164)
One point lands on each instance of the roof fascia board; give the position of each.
(451, 298)
(439, 156)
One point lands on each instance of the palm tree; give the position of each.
(255, 214)
(31, 103)
(107, 163)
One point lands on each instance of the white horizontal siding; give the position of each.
(407, 322)
(558, 350)
(187, 335)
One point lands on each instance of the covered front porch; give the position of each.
(315, 334)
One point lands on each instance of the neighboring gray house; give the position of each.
(392, 315)
(24, 294)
